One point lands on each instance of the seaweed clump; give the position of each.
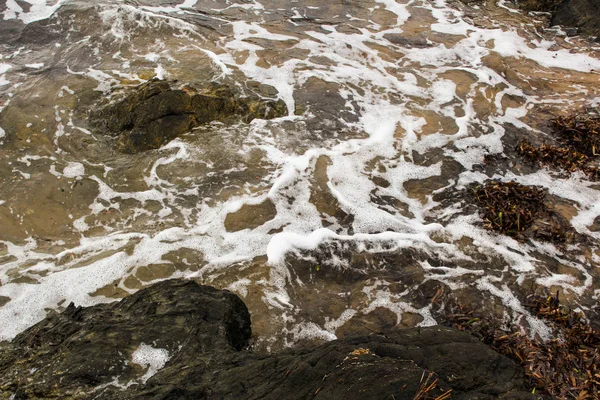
(567, 366)
(519, 211)
(581, 130)
(579, 138)
(509, 207)
(560, 158)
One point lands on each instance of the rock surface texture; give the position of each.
(581, 14)
(154, 114)
(180, 340)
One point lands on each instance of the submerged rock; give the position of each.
(180, 340)
(154, 114)
(250, 216)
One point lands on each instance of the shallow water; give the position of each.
(342, 217)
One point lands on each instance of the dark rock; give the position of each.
(260, 109)
(10, 30)
(155, 133)
(377, 367)
(539, 5)
(404, 41)
(69, 354)
(41, 33)
(595, 226)
(571, 31)
(215, 104)
(153, 114)
(120, 116)
(581, 14)
(85, 352)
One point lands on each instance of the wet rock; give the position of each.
(581, 14)
(194, 338)
(120, 116)
(539, 5)
(324, 200)
(595, 226)
(572, 31)
(40, 33)
(377, 367)
(422, 188)
(155, 133)
(69, 354)
(154, 114)
(405, 41)
(259, 109)
(10, 30)
(322, 100)
(379, 320)
(250, 216)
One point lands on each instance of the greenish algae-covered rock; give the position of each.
(154, 114)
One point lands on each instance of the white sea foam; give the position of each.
(38, 10)
(397, 8)
(4, 67)
(149, 357)
(74, 170)
(81, 225)
(28, 301)
(35, 65)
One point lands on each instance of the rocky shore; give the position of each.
(354, 170)
(180, 340)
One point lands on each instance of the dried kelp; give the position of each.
(579, 137)
(519, 211)
(580, 130)
(563, 158)
(567, 366)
